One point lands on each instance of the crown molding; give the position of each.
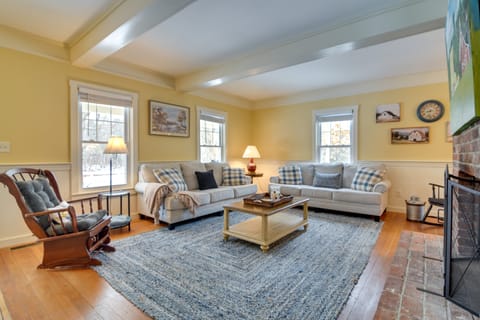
(28, 43)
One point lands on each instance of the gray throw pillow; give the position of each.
(327, 180)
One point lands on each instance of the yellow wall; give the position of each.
(285, 133)
(35, 112)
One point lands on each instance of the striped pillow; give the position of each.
(290, 175)
(233, 176)
(172, 177)
(366, 178)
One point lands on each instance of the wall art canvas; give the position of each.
(388, 113)
(412, 135)
(462, 37)
(169, 120)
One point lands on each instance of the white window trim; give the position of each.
(215, 112)
(332, 111)
(75, 134)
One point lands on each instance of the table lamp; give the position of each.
(252, 153)
(115, 146)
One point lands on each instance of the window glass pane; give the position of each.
(209, 154)
(99, 123)
(334, 138)
(335, 154)
(211, 131)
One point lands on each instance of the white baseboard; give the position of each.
(20, 240)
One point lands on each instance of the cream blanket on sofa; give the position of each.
(155, 194)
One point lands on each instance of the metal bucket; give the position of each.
(415, 210)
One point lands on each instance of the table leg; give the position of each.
(264, 246)
(225, 223)
(305, 215)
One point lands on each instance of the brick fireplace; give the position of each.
(466, 152)
(462, 228)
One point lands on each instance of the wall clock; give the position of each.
(430, 110)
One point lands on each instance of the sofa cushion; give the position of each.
(307, 170)
(327, 180)
(220, 194)
(171, 202)
(244, 190)
(172, 177)
(290, 175)
(206, 180)
(188, 172)
(233, 176)
(145, 172)
(355, 196)
(366, 178)
(217, 168)
(316, 192)
(349, 171)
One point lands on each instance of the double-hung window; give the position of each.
(99, 113)
(211, 133)
(336, 135)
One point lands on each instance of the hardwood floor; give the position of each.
(29, 293)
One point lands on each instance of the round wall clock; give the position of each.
(430, 110)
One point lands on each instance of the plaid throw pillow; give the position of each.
(290, 175)
(233, 176)
(172, 177)
(366, 178)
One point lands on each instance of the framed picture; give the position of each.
(410, 135)
(169, 119)
(388, 113)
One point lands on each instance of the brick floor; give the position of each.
(401, 300)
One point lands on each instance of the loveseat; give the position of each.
(353, 188)
(170, 204)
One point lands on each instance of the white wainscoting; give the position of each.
(13, 230)
(408, 178)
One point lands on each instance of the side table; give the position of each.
(254, 175)
(120, 220)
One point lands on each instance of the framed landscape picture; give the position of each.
(169, 119)
(410, 135)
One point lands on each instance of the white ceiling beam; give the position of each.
(128, 21)
(412, 19)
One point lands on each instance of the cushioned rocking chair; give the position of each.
(68, 239)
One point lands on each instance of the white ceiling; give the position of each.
(254, 51)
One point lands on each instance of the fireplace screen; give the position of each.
(462, 244)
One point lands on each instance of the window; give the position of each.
(336, 135)
(211, 133)
(99, 113)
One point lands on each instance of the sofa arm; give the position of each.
(140, 187)
(382, 186)
(274, 179)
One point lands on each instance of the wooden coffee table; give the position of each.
(269, 225)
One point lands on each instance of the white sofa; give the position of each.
(173, 210)
(343, 198)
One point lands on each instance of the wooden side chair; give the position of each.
(68, 238)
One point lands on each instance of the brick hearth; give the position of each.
(411, 270)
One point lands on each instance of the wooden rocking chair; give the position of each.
(68, 239)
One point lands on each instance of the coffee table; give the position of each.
(269, 224)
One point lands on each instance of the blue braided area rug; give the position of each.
(192, 273)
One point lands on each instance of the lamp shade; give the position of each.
(115, 145)
(251, 152)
